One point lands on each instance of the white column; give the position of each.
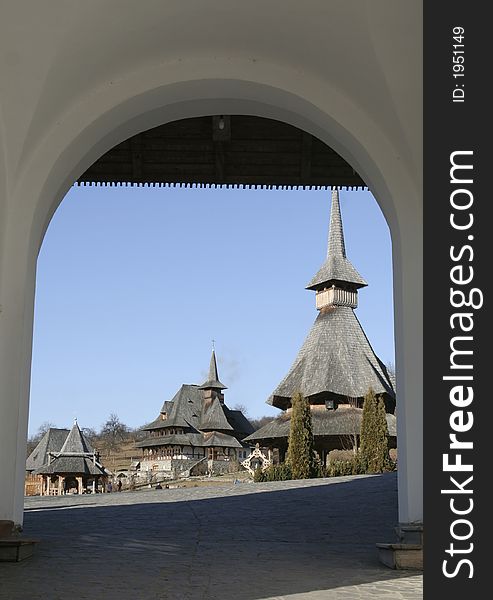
(408, 307)
(17, 282)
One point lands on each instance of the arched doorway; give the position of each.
(78, 144)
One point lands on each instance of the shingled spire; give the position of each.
(213, 382)
(336, 246)
(336, 361)
(337, 275)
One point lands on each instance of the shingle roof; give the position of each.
(52, 441)
(184, 409)
(277, 428)
(156, 424)
(213, 416)
(238, 421)
(76, 465)
(190, 411)
(213, 378)
(67, 452)
(216, 439)
(175, 439)
(166, 406)
(343, 421)
(198, 440)
(336, 357)
(76, 442)
(336, 267)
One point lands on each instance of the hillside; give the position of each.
(119, 457)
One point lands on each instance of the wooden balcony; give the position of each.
(336, 297)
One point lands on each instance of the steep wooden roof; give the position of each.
(76, 442)
(52, 441)
(336, 358)
(239, 150)
(200, 419)
(71, 453)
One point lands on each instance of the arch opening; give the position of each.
(329, 168)
(137, 114)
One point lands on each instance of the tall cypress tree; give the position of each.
(301, 457)
(368, 419)
(382, 458)
(374, 452)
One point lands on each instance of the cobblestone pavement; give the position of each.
(296, 540)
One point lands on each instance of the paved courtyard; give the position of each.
(295, 540)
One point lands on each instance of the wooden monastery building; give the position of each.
(64, 462)
(336, 366)
(196, 432)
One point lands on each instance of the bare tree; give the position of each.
(113, 431)
(90, 433)
(390, 369)
(138, 433)
(260, 422)
(44, 427)
(242, 408)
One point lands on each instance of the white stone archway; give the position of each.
(57, 148)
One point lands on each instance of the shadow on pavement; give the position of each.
(248, 546)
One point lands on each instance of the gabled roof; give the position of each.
(343, 421)
(52, 441)
(336, 357)
(217, 439)
(336, 268)
(213, 378)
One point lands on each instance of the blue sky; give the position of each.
(134, 283)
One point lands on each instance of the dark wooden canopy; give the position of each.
(223, 150)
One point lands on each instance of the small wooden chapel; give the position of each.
(65, 462)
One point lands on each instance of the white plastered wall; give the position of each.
(354, 84)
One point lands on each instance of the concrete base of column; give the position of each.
(407, 553)
(410, 533)
(14, 547)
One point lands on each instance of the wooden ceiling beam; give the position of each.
(223, 149)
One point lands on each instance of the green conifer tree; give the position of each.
(374, 452)
(367, 440)
(382, 458)
(301, 456)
